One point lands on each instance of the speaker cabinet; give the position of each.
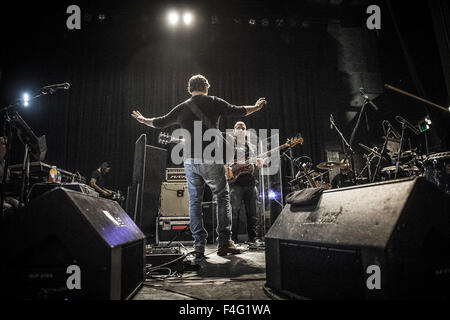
(379, 241)
(62, 230)
(143, 194)
(174, 199)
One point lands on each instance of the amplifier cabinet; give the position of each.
(175, 175)
(173, 229)
(174, 200)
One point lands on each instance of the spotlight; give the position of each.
(265, 22)
(173, 17)
(427, 120)
(252, 22)
(272, 195)
(26, 99)
(187, 18)
(101, 17)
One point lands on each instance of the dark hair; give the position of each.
(104, 166)
(198, 83)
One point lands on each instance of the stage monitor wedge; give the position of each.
(387, 240)
(69, 245)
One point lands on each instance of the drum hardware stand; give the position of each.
(369, 159)
(381, 152)
(291, 160)
(348, 148)
(397, 165)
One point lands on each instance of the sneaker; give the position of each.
(229, 247)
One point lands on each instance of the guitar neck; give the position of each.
(266, 154)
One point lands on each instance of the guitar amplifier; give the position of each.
(174, 200)
(175, 175)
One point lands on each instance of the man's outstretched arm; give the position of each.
(258, 105)
(140, 118)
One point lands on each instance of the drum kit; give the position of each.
(434, 167)
(382, 163)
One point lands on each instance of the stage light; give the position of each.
(173, 17)
(187, 18)
(427, 120)
(252, 22)
(26, 99)
(101, 17)
(272, 195)
(265, 22)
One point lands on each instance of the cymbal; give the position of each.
(370, 150)
(331, 165)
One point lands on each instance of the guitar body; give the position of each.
(234, 171)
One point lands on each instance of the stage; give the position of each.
(233, 277)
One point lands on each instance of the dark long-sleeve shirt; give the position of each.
(212, 107)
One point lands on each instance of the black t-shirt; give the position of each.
(99, 180)
(212, 107)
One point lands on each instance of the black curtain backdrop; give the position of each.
(114, 68)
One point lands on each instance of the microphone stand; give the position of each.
(348, 148)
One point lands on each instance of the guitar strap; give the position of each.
(204, 119)
(200, 115)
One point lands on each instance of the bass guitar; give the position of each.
(234, 170)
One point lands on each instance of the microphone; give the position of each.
(331, 121)
(366, 97)
(52, 88)
(407, 124)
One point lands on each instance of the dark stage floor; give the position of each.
(233, 277)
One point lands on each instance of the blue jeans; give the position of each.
(197, 175)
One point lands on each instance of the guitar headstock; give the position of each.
(164, 138)
(292, 142)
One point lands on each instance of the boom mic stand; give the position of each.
(348, 148)
(381, 152)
